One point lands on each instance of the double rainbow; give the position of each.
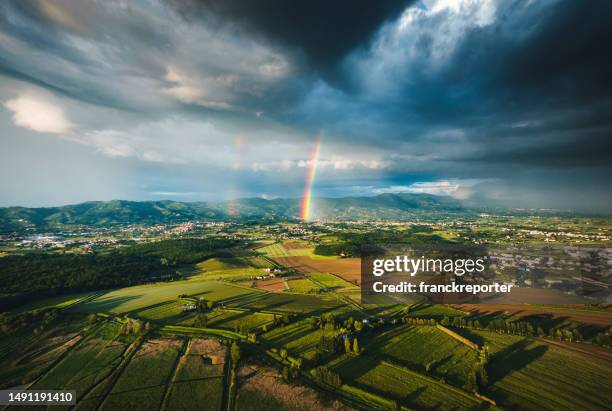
(310, 176)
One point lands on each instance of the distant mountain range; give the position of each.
(101, 213)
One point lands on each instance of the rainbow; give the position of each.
(310, 176)
(239, 146)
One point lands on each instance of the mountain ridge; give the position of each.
(113, 212)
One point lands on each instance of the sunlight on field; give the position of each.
(302, 285)
(277, 250)
(142, 296)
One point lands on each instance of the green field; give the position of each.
(167, 312)
(331, 282)
(300, 338)
(435, 311)
(302, 285)
(525, 373)
(87, 364)
(196, 383)
(132, 299)
(277, 250)
(231, 268)
(234, 319)
(409, 388)
(422, 347)
(290, 303)
(145, 347)
(216, 264)
(26, 355)
(142, 384)
(229, 263)
(62, 301)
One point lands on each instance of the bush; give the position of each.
(327, 376)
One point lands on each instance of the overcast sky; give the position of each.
(489, 101)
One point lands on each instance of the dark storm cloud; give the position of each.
(325, 31)
(534, 84)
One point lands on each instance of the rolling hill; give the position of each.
(102, 213)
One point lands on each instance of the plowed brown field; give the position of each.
(347, 268)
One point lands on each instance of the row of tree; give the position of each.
(37, 320)
(505, 326)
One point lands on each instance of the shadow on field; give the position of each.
(198, 295)
(513, 358)
(108, 304)
(289, 337)
(470, 335)
(151, 307)
(411, 399)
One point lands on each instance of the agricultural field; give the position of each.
(141, 350)
(426, 349)
(259, 262)
(62, 301)
(87, 364)
(262, 388)
(300, 338)
(166, 312)
(235, 319)
(228, 263)
(348, 269)
(435, 311)
(34, 360)
(289, 303)
(271, 284)
(411, 389)
(331, 282)
(140, 297)
(199, 377)
(143, 383)
(302, 285)
(518, 366)
(291, 249)
(232, 268)
(233, 263)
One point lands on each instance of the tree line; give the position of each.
(42, 274)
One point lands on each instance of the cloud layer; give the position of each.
(488, 101)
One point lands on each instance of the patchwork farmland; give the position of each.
(173, 345)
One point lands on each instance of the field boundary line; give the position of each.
(458, 337)
(114, 377)
(227, 402)
(58, 360)
(101, 380)
(175, 370)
